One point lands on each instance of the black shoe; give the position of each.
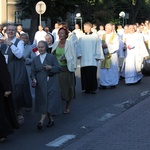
(93, 92)
(121, 78)
(112, 87)
(39, 125)
(139, 81)
(87, 92)
(50, 124)
(102, 87)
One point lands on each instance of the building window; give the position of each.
(17, 17)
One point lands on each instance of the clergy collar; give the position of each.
(88, 33)
(43, 55)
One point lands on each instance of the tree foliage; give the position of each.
(96, 11)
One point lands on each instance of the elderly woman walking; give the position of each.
(44, 70)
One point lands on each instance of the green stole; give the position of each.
(105, 64)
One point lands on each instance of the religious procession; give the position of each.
(42, 74)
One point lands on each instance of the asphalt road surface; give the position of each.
(87, 112)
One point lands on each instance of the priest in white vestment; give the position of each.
(90, 52)
(109, 75)
(136, 52)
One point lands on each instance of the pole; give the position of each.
(123, 21)
(40, 19)
(40, 13)
(81, 23)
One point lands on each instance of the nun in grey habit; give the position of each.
(44, 70)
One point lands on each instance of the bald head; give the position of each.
(131, 29)
(108, 28)
(40, 28)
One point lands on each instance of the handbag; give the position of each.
(146, 68)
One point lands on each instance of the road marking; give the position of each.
(83, 127)
(61, 140)
(144, 93)
(124, 104)
(106, 116)
(119, 105)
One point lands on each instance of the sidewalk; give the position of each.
(128, 131)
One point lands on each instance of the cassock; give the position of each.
(90, 50)
(8, 119)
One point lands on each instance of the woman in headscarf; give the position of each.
(49, 38)
(44, 70)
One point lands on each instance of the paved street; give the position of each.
(104, 121)
(128, 131)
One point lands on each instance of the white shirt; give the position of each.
(101, 33)
(39, 35)
(55, 34)
(42, 57)
(19, 49)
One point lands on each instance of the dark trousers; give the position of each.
(89, 78)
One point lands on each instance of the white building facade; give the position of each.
(9, 13)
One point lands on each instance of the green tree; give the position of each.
(28, 11)
(55, 9)
(96, 11)
(34, 19)
(135, 6)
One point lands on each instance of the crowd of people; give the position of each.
(45, 69)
